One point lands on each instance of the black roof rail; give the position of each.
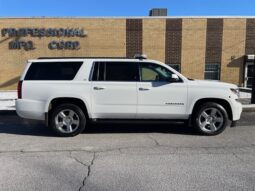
(41, 58)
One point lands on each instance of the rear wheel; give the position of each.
(210, 119)
(67, 120)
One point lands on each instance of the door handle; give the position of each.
(98, 88)
(144, 89)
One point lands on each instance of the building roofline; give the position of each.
(133, 17)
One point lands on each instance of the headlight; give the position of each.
(235, 91)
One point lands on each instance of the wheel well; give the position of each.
(222, 102)
(58, 101)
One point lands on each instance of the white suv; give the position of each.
(68, 92)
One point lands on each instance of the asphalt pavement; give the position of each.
(126, 157)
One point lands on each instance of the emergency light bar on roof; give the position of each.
(140, 56)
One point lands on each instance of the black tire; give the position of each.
(221, 116)
(77, 116)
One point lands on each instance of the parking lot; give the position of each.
(126, 157)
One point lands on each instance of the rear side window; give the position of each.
(115, 71)
(53, 70)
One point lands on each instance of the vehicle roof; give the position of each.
(44, 58)
(50, 59)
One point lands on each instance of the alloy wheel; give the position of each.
(67, 121)
(210, 120)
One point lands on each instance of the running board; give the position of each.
(130, 121)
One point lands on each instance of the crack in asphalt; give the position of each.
(240, 159)
(89, 172)
(77, 160)
(237, 157)
(120, 149)
(88, 166)
(154, 139)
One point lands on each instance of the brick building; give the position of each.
(219, 48)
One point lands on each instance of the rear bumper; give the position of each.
(30, 109)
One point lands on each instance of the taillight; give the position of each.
(19, 90)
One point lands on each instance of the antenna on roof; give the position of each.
(140, 56)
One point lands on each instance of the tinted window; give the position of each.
(154, 72)
(101, 71)
(53, 70)
(120, 71)
(115, 71)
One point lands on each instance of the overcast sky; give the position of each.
(19, 8)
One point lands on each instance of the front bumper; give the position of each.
(237, 109)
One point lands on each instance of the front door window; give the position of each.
(150, 72)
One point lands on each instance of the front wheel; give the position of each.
(67, 120)
(210, 119)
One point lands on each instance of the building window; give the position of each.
(177, 67)
(212, 71)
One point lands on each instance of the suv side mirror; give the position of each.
(174, 78)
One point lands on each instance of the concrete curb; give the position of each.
(249, 109)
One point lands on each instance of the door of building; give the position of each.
(249, 69)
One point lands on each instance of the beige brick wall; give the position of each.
(193, 47)
(106, 37)
(233, 44)
(154, 31)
